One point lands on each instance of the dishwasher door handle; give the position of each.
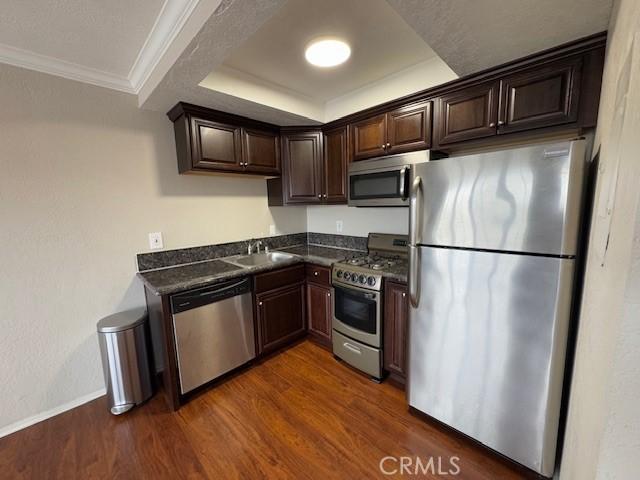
(223, 289)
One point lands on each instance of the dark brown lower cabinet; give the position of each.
(396, 315)
(280, 311)
(319, 311)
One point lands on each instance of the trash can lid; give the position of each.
(122, 320)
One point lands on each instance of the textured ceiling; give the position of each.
(102, 34)
(473, 35)
(381, 44)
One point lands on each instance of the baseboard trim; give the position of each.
(27, 422)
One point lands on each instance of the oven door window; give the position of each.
(375, 185)
(356, 309)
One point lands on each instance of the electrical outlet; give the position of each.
(272, 229)
(339, 226)
(155, 241)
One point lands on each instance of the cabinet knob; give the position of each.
(404, 294)
(315, 274)
(388, 145)
(259, 303)
(382, 146)
(500, 122)
(328, 294)
(325, 195)
(319, 195)
(492, 124)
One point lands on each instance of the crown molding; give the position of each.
(61, 68)
(172, 17)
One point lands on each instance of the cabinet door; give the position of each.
(260, 151)
(409, 128)
(396, 314)
(302, 167)
(467, 114)
(369, 137)
(540, 97)
(319, 310)
(216, 146)
(335, 166)
(280, 316)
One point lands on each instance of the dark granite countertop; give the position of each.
(185, 277)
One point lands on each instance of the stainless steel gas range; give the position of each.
(357, 301)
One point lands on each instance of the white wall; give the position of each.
(358, 221)
(603, 425)
(85, 176)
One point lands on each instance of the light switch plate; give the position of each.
(155, 241)
(339, 226)
(272, 229)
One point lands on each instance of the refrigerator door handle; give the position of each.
(414, 275)
(415, 211)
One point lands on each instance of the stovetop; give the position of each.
(376, 262)
(365, 271)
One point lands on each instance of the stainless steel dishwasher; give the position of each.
(214, 331)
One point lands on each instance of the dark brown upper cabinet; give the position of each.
(314, 166)
(261, 151)
(409, 128)
(216, 146)
(335, 165)
(208, 141)
(540, 97)
(369, 137)
(401, 130)
(302, 163)
(467, 114)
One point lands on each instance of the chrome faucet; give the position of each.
(255, 244)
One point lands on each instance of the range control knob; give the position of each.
(362, 279)
(339, 273)
(347, 276)
(371, 280)
(352, 277)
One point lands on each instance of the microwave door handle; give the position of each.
(403, 183)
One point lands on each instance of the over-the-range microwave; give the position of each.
(383, 181)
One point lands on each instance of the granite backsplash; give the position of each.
(181, 256)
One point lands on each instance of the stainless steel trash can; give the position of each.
(125, 359)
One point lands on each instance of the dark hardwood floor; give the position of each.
(300, 414)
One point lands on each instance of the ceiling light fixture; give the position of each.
(327, 52)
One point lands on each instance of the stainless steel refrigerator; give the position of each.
(493, 239)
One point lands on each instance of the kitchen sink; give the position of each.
(259, 259)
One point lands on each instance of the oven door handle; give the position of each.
(356, 293)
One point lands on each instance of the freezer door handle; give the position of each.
(414, 275)
(415, 211)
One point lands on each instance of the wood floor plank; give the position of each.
(300, 414)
